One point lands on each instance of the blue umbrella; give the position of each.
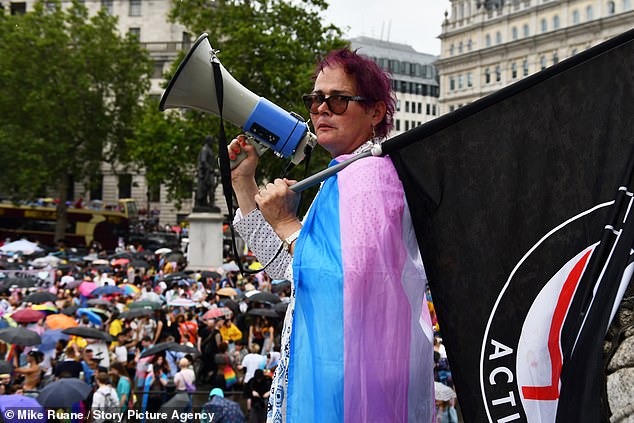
(92, 316)
(107, 290)
(4, 324)
(29, 409)
(50, 338)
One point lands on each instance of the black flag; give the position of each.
(521, 203)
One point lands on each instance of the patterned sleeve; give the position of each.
(264, 242)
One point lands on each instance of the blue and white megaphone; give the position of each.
(193, 87)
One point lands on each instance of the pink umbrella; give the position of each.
(27, 315)
(217, 312)
(86, 288)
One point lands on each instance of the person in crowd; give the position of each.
(257, 390)
(185, 378)
(155, 384)
(255, 333)
(210, 339)
(32, 372)
(69, 367)
(230, 333)
(231, 411)
(252, 362)
(124, 385)
(104, 399)
(357, 235)
(225, 368)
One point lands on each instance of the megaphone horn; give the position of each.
(193, 87)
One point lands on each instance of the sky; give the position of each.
(413, 22)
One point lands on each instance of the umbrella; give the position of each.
(120, 261)
(21, 282)
(217, 312)
(70, 310)
(140, 263)
(50, 338)
(230, 267)
(60, 321)
(64, 393)
(106, 290)
(181, 302)
(4, 323)
(256, 265)
(134, 313)
(210, 274)
(280, 307)
(46, 308)
(176, 275)
(93, 317)
(105, 314)
(251, 293)
(174, 257)
(22, 245)
(40, 297)
(20, 336)
(86, 332)
(86, 288)
(443, 392)
(265, 297)
(179, 402)
(129, 289)
(280, 285)
(11, 403)
(27, 315)
(152, 305)
(100, 262)
(98, 301)
(266, 312)
(169, 346)
(46, 261)
(227, 292)
(162, 251)
(232, 305)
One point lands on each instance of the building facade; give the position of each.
(414, 80)
(488, 44)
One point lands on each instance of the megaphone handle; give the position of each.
(259, 149)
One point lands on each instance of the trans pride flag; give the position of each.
(361, 345)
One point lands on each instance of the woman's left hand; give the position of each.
(278, 205)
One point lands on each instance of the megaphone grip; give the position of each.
(259, 149)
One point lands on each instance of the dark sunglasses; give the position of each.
(337, 103)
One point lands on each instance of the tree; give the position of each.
(71, 88)
(269, 46)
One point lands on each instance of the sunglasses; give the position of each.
(337, 103)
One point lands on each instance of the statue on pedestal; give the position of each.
(207, 178)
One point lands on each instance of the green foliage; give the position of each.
(269, 46)
(70, 92)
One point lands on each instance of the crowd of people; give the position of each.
(221, 335)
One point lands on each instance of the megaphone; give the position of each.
(193, 86)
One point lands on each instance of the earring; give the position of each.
(373, 131)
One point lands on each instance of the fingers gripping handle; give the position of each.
(259, 149)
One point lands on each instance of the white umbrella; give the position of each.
(24, 246)
(230, 267)
(46, 261)
(181, 302)
(251, 293)
(163, 250)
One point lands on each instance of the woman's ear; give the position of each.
(379, 111)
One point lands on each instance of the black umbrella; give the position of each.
(280, 286)
(86, 332)
(70, 310)
(40, 297)
(169, 346)
(139, 263)
(179, 402)
(266, 312)
(5, 367)
(99, 301)
(152, 305)
(20, 336)
(280, 307)
(64, 393)
(231, 305)
(21, 282)
(134, 313)
(210, 274)
(265, 297)
(176, 275)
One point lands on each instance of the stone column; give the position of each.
(205, 240)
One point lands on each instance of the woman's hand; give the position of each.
(278, 205)
(243, 175)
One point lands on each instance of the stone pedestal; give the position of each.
(205, 240)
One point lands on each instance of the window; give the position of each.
(542, 62)
(487, 76)
(452, 84)
(469, 45)
(125, 186)
(525, 67)
(487, 40)
(611, 8)
(407, 125)
(136, 33)
(154, 193)
(575, 17)
(556, 22)
(107, 6)
(398, 124)
(544, 25)
(527, 31)
(627, 5)
(514, 33)
(429, 109)
(18, 8)
(469, 80)
(460, 47)
(135, 8)
(498, 37)
(460, 82)
(407, 107)
(589, 13)
(555, 58)
(498, 74)
(433, 110)
(158, 69)
(398, 105)
(420, 108)
(514, 70)
(96, 187)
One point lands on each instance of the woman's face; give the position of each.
(344, 133)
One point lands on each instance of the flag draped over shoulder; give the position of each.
(521, 203)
